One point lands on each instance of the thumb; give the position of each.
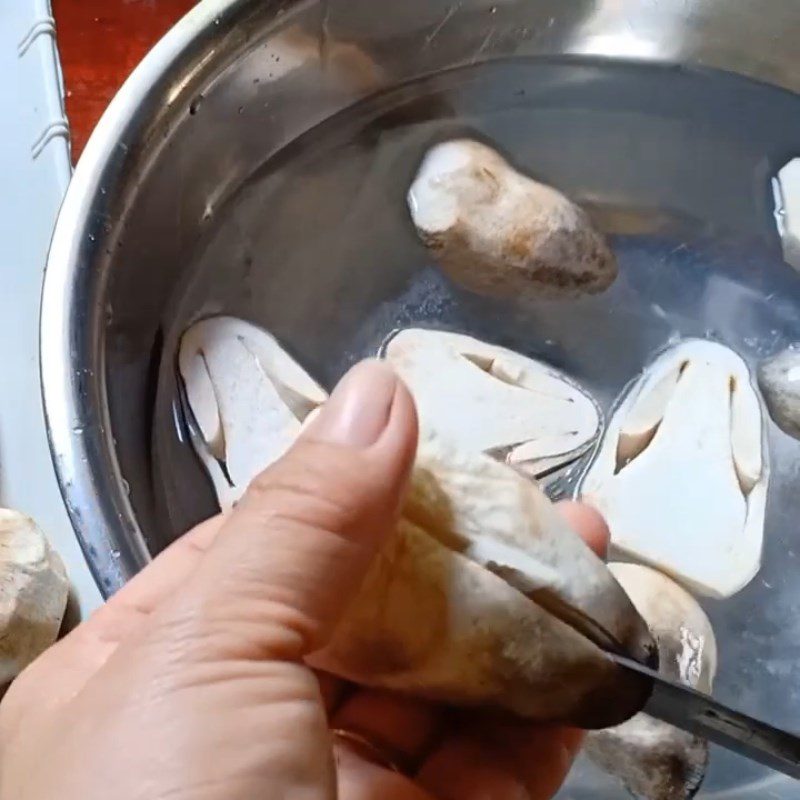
(294, 551)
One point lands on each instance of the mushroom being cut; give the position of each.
(786, 190)
(498, 232)
(483, 596)
(33, 593)
(488, 399)
(779, 381)
(682, 473)
(656, 761)
(248, 397)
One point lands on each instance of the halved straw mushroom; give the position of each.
(488, 399)
(652, 759)
(483, 596)
(248, 397)
(498, 232)
(33, 593)
(779, 381)
(786, 190)
(682, 473)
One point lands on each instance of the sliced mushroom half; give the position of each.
(488, 399)
(498, 232)
(653, 760)
(786, 189)
(248, 399)
(33, 593)
(682, 473)
(779, 381)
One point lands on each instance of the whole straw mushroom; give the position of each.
(786, 191)
(33, 593)
(654, 760)
(485, 597)
(779, 381)
(498, 232)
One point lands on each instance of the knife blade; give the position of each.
(699, 714)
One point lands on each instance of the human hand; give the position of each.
(189, 684)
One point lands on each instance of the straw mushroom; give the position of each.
(33, 593)
(779, 381)
(786, 189)
(488, 399)
(682, 473)
(656, 761)
(483, 596)
(248, 397)
(498, 232)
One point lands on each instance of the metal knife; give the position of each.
(697, 713)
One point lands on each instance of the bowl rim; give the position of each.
(73, 437)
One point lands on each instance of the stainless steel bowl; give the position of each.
(256, 162)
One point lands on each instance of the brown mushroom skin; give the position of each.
(674, 772)
(535, 263)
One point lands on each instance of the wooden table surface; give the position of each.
(101, 41)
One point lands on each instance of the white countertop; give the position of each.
(34, 172)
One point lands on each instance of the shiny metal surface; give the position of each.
(197, 191)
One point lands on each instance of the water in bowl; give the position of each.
(318, 247)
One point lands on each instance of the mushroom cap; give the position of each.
(682, 473)
(33, 593)
(498, 232)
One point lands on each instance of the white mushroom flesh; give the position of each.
(682, 473)
(488, 399)
(33, 593)
(498, 232)
(248, 397)
(654, 760)
(786, 189)
(779, 381)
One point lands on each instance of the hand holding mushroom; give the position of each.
(196, 668)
